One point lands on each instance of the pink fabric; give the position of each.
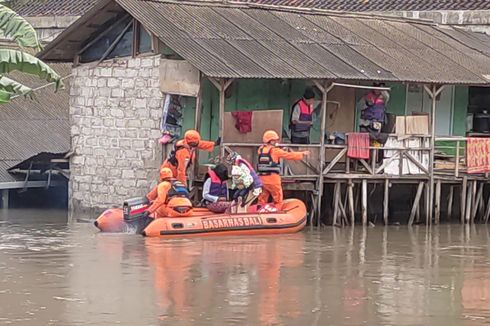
(477, 155)
(358, 145)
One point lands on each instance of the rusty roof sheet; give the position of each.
(29, 127)
(243, 41)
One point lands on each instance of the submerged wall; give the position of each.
(115, 112)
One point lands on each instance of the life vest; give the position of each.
(218, 188)
(266, 164)
(178, 189)
(305, 114)
(172, 156)
(257, 182)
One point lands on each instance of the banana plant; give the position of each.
(19, 30)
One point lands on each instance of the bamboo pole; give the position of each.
(386, 200)
(364, 203)
(437, 204)
(469, 202)
(450, 203)
(416, 203)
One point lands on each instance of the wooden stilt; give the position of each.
(364, 207)
(450, 203)
(386, 200)
(429, 199)
(469, 202)
(416, 201)
(463, 199)
(487, 213)
(350, 192)
(335, 203)
(437, 204)
(478, 200)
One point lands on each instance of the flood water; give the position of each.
(52, 273)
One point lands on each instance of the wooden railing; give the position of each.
(456, 154)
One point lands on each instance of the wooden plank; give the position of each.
(366, 165)
(374, 158)
(463, 199)
(364, 207)
(437, 205)
(387, 162)
(350, 194)
(456, 168)
(337, 158)
(450, 203)
(416, 162)
(386, 200)
(478, 200)
(416, 202)
(179, 77)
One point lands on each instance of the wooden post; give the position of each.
(222, 85)
(469, 201)
(416, 203)
(335, 203)
(433, 93)
(5, 199)
(324, 88)
(456, 167)
(197, 123)
(386, 200)
(487, 213)
(463, 198)
(478, 200)
(450, 203)
(437, 204)
(364, 203)
(350, 191)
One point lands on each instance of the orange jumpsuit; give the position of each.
(185, 157)
(159, 197)
(272, 183)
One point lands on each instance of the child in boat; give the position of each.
(244, 186)
(215, 189)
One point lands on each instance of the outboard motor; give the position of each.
(133, 212)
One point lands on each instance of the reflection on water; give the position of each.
(55, 274)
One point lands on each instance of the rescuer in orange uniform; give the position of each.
(183, 154)
(167, 189)
(269, 168)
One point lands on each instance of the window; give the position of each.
(120, 37)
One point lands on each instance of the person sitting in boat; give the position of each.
(235, 159)
(244, 189)
(183, 154)
(169, 198)
(269, 168)
(215, 189)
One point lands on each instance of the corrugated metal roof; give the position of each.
(296, 44)
(380, 5)
(29, 127)
(32, 8)
(242, 41)
(5, 176)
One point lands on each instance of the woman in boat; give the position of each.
(245, 190)
(215, 189)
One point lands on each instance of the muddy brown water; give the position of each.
(52, 273)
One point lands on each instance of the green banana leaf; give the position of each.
(14, 87)
(4, 96)
(11, 60)
(14, 26)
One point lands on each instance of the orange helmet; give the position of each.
(192, 137)
(270, 135)
(165, 173)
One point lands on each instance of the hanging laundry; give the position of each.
(358, 145)
(477, 153)
(243, 121)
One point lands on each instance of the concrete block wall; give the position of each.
(115, 112)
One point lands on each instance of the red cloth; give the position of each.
(477, 155)
(358, 145)
(243, 121)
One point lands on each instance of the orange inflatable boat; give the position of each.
(292, 218)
